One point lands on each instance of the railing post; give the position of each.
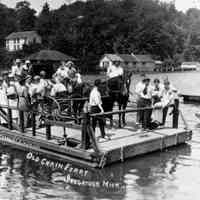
(10, 119)
(85, 139)
(175, 114)
(33, 115)
(48, 131)
(21, 121)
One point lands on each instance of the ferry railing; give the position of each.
(88, 138)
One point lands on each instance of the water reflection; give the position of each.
(171, 174)
(141, 177)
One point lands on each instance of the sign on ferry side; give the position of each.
(55, 164)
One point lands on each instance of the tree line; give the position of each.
(87, 30)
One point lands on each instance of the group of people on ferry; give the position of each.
(156, 94)
(20, 88)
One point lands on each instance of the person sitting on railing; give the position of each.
(3, 99)
(95, 103)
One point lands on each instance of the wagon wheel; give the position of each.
(49, 108)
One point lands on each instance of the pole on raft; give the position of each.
(21, 121)
(85, 139)
(175, 114)
(48, 131)
(10, 119)
(33, 123)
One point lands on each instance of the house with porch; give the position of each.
(130, 62)
(16, 40)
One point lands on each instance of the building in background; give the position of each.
(186, 66)
(16, 40)
(130, 62)
(145, 62)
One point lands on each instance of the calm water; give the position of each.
(172, 174)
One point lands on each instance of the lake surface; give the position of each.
(169, 175)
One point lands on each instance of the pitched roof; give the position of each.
(23, 34)
(143, 58)
(127, 57)
(190, 63)
(113, 57)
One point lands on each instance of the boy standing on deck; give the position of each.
(95, 103)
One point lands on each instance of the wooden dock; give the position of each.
(123, 144)
(191, 98)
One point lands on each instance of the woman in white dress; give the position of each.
(3, 99)
(12, 97)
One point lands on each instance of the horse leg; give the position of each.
(111, 121)
(75, 109)
(120, 125)
(124, 114)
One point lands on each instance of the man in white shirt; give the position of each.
(115, 73)
(114, 70)
(144, 92)
(95, 104)
(16, 68)
(169, 94)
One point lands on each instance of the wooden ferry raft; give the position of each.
(80, 146)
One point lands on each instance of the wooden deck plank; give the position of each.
(125, 143)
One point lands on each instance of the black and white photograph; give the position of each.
(99, 99)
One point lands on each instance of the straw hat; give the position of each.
(36, 78)
(18, 60)
(28, 62)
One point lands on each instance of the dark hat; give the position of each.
(156, 80)
(146, 78)
(97, 82)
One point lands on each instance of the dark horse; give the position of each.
(117, 90)
(114, 90)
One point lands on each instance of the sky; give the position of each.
(182, 5)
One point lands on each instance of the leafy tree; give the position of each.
(44, 24)
(25, 16)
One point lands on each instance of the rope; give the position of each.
(102, 160)
(184, 121)
(122, 154)
(161, 143)
(176, 139)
